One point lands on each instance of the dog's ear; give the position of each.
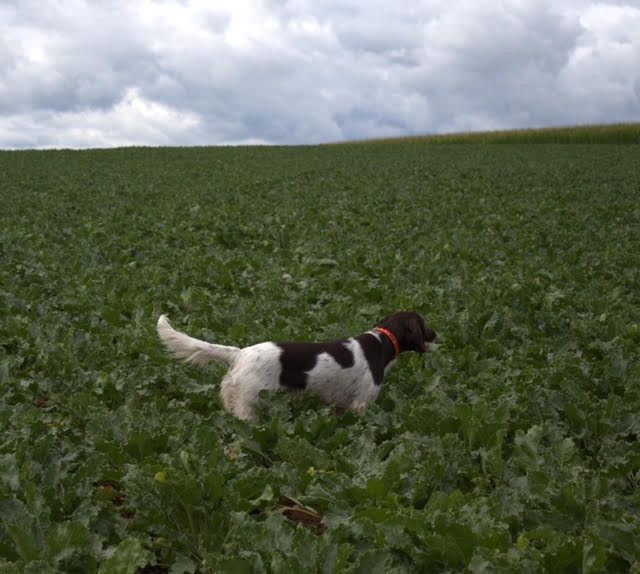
(420, 333)
(417, 332)
(429, 334)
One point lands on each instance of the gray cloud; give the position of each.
(83, 74)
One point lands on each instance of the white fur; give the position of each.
(257, 368)
(351, 388)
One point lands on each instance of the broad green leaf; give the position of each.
(127, 557)
(67, 538)
(593, 555)
(9, 475)
(25, 542)
(183, 565)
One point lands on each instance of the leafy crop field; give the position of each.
(512, 447)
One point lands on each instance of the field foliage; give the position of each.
(622, 133)
(512, 447)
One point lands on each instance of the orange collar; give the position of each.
(391, 337)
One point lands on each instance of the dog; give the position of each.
(347, 373)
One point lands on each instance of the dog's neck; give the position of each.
(391, 337)
(387, 351)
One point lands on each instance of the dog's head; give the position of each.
(410, 330)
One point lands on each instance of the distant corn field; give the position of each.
(623, 133)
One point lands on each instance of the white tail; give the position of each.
(190, 350)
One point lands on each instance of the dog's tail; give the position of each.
(193, 351)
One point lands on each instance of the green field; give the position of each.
(512, 447)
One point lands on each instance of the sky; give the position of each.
(76, 74)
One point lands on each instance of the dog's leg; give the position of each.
(358, 407)
(236, 400)
(366, 395)
(228, 394)
(246, 412)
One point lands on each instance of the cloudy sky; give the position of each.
(190, 72)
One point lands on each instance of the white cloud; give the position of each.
(131, 121)
(300, 71)
(602, 76)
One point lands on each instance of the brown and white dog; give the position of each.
(347, 372)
